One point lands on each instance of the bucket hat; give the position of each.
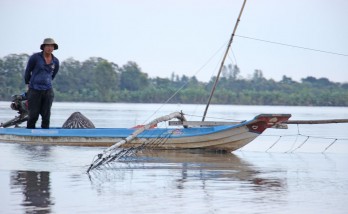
(49, 41)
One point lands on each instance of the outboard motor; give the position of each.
(19, 104)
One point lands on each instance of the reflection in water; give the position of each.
(191, 166)
(35, 187)
(223, 167)
(35, 152)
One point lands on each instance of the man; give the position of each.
(41, 69)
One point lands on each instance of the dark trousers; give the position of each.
(39, 103)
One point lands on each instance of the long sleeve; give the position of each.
(56, 68)
(30, 67)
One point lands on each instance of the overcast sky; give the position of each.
(186, 36)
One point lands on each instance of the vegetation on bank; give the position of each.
(98, 80)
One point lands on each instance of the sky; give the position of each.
(186, 37)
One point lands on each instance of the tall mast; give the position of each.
(223, 61)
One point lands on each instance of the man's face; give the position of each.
(48, 48)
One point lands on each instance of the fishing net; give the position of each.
(115, 152)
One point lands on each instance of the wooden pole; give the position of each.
(223, 61)
(316, 121)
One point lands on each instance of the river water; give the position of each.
(279, 172)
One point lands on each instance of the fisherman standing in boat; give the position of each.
(41, 69)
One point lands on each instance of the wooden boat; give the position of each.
(203, 135)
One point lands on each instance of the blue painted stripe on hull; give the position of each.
(116, 132)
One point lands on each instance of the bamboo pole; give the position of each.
(316, 121)
(223, 62)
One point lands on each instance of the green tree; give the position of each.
(98, 80)
(12, 69)
(132, 78)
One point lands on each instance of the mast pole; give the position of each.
(223, 61)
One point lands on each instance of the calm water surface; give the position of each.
(266, 176)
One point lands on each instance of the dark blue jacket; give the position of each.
(38, 74)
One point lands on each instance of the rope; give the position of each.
(186, 83)
(306, 140)
(329, 145)
(298, 134)
(301, 144)
(293, 46)
(274, 143)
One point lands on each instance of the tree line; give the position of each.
(98, 80)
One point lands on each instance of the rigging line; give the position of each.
(293, 144)
(300, 145)
(294, 135)
(177, 91)
(298, 129)
(234, 56)
(214, 54)
(294, 46)
(229, 57)
(274, 143)
(329, 145)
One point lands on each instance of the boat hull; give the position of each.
(224, 137)
(230, 139)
